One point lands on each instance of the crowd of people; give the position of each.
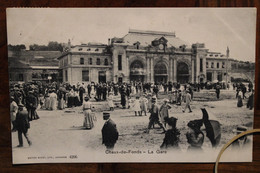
(142, 98)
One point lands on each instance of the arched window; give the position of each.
(136, 65)
(182, 68)
(160, 68)
(81, 60)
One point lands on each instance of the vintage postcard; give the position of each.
(131, 84)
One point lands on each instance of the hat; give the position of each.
(106, 114)
(171, 121)
(86, 98)
(20, 105)
(165, 100)
(195, 124)
(240, 129)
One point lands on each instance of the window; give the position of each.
(98, 61)
(106, 61)
(216, 55)
(90, 61)
(207, 64)
(66, 75)
(219, 76)
(212, 65)
(201, 65)
(85, 75)
(88, 49)
(20, 77)
(81, 60)
(223, 64)
(96, 50)
(119, 62)
(159, 68)
(217, 65)
(80, 49)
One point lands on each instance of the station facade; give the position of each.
(143, 56)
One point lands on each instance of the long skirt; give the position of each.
(47, 103)
(88, 121)
(61, 104)
(239, 101)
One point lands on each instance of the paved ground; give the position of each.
(58, 131)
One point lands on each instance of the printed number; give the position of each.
(73, 156)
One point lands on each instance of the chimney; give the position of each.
(69, 44)
(109, 41)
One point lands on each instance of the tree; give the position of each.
(52, 46)
(16, 47)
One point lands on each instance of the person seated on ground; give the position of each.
(195, 136)
(172, 136)
(213, 129)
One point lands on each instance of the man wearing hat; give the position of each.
(154, 117)
(188, 100)
(22, 125)
(164, 111)
(109, 132)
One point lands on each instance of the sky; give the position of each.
(216, 27)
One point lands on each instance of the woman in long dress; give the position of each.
(53, 100)
(239, 99)
(88, 120)
(47, 100)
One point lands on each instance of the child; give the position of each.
(41, 99)
(110, 101)
(137, 107)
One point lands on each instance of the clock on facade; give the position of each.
(161, 46)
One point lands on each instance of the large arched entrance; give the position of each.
(182, 73)
(160, 73)
(137, 71)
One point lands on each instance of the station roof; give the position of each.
(145, 38)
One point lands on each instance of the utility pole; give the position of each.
(227, 55)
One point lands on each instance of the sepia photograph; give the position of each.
(142, 85)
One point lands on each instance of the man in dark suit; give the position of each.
(22, 125)
(109, 132)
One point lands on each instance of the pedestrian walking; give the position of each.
(188, 101)
(143, 104)
(109, 132)
(154, 117)
(164, 111)
(22, 125)
(89, 119)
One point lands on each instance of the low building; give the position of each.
(29, 66)
(86, 63)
